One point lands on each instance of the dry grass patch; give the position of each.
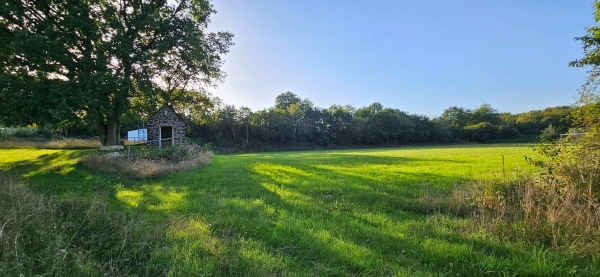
(556, 212)
(151, 164)
(538, 213)
(65, 143)
(72, 143)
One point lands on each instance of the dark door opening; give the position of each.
(166, 136)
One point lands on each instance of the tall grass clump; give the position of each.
(62, 143)
(534, 212)
(41, 236)
(559, 207)
(72, 143)
(149, 164)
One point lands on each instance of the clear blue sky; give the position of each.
(419, 56)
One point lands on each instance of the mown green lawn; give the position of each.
(339, 212)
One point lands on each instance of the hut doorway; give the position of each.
(166, 136)
(165, 128)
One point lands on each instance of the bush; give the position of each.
(181, 152)
(549, 134)
(24, 132)
(31, 132)
(481, 132)
(508, 132)
(42, 236)
(5, 133)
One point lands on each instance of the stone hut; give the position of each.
(165, 128)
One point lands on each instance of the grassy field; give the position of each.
(342, 212)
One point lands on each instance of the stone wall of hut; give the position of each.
(165, 116)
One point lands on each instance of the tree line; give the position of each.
(293, 122)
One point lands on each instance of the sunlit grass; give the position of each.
(60, 162)
(343, 212)
(130, 197)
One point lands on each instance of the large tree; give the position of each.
(103, 56)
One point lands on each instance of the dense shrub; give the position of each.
(180, 152)
(4, 133)
(549, 134)
(31, 132)
(481, 132)
(24, 132)
(508, 132)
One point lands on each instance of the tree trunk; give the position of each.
(295, 127)
(110, 133)
(63, 129)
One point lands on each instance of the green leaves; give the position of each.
(108, 52)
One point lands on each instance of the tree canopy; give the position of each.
(92, 61)
(588, 113)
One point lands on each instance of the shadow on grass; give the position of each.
(302, 216)
(58, 174)
(335, 214)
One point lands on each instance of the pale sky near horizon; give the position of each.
(418, 56)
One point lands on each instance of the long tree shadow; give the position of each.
(302, 219)
(298, 215)
(57, 173)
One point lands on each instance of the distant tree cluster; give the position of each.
(487, 124)
(294, 122)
